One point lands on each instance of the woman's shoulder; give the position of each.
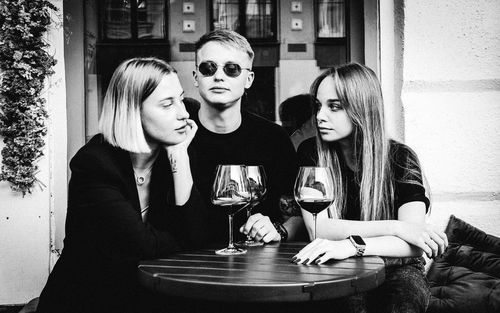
(97, 155)
(401, 154)
(96, 147)
(408, 177)
(405, 162)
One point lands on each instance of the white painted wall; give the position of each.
(26, 223)
(372, 35)
(185, 73)
(295, 77)
(451, 92)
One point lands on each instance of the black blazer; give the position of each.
(106, 237)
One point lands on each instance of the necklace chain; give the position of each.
(141, 179)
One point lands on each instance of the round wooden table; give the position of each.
(263, 274)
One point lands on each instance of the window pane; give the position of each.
(150, 19)
(226, 14)
(331, 19)
(259, 19)
(117, 19)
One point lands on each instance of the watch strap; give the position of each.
(281, 230)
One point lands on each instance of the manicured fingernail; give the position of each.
(317, 261)
(306, 260)
(294, 258)
(318, 257)
(297, 261)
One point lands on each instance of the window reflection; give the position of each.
(150, 19)
(259, 19)
(331, 19)
(117, 19)
(226, 14)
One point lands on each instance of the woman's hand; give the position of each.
(178, 158)
(425, 236)
(191, 129)
(321, 250)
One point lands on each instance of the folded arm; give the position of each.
(406, 237)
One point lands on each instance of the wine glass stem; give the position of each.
(230, 245)
(249, 212)
(314, 219)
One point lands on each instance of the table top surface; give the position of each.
(263, 274)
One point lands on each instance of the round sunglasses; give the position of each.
(209, 68)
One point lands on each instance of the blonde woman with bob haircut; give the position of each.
(131, 194)
(380, 199)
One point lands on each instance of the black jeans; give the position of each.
(405, 289)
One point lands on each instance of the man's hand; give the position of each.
(260, 228)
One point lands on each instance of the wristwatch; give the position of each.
(281, 230)
(358, 243)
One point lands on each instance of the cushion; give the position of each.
(461, 232)
(466, 278)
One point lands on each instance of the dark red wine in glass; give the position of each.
(313, 190)
(314, 206)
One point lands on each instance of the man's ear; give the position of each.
(250, 78)
(195, 79)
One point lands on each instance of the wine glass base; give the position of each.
(250, 243)
(230, 251)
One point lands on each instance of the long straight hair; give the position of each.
(360, 95)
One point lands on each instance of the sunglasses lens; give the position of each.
(207, 68)
(232, 70)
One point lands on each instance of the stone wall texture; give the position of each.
(451, 92)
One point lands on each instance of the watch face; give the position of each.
(358, 240)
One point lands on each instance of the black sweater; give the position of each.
(105, 234)
(256, 142)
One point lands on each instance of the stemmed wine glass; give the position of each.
(231, 191)
(257, 180)
(313, 190)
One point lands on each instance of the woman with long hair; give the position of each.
(380, 200)
(131, 195)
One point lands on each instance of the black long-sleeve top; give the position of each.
(106, 236)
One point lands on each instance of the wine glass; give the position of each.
(313, 190)
(231, 192)
(257, 180)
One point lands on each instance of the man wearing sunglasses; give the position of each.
(228, 135)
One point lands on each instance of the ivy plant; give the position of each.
(24, 66)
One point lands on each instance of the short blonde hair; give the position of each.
(225, 37)
(132, 82)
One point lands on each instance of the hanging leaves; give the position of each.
(24, 66)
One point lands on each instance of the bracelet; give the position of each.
(281, 230)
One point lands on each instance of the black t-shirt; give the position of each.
(401, 157)
(256, 142)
